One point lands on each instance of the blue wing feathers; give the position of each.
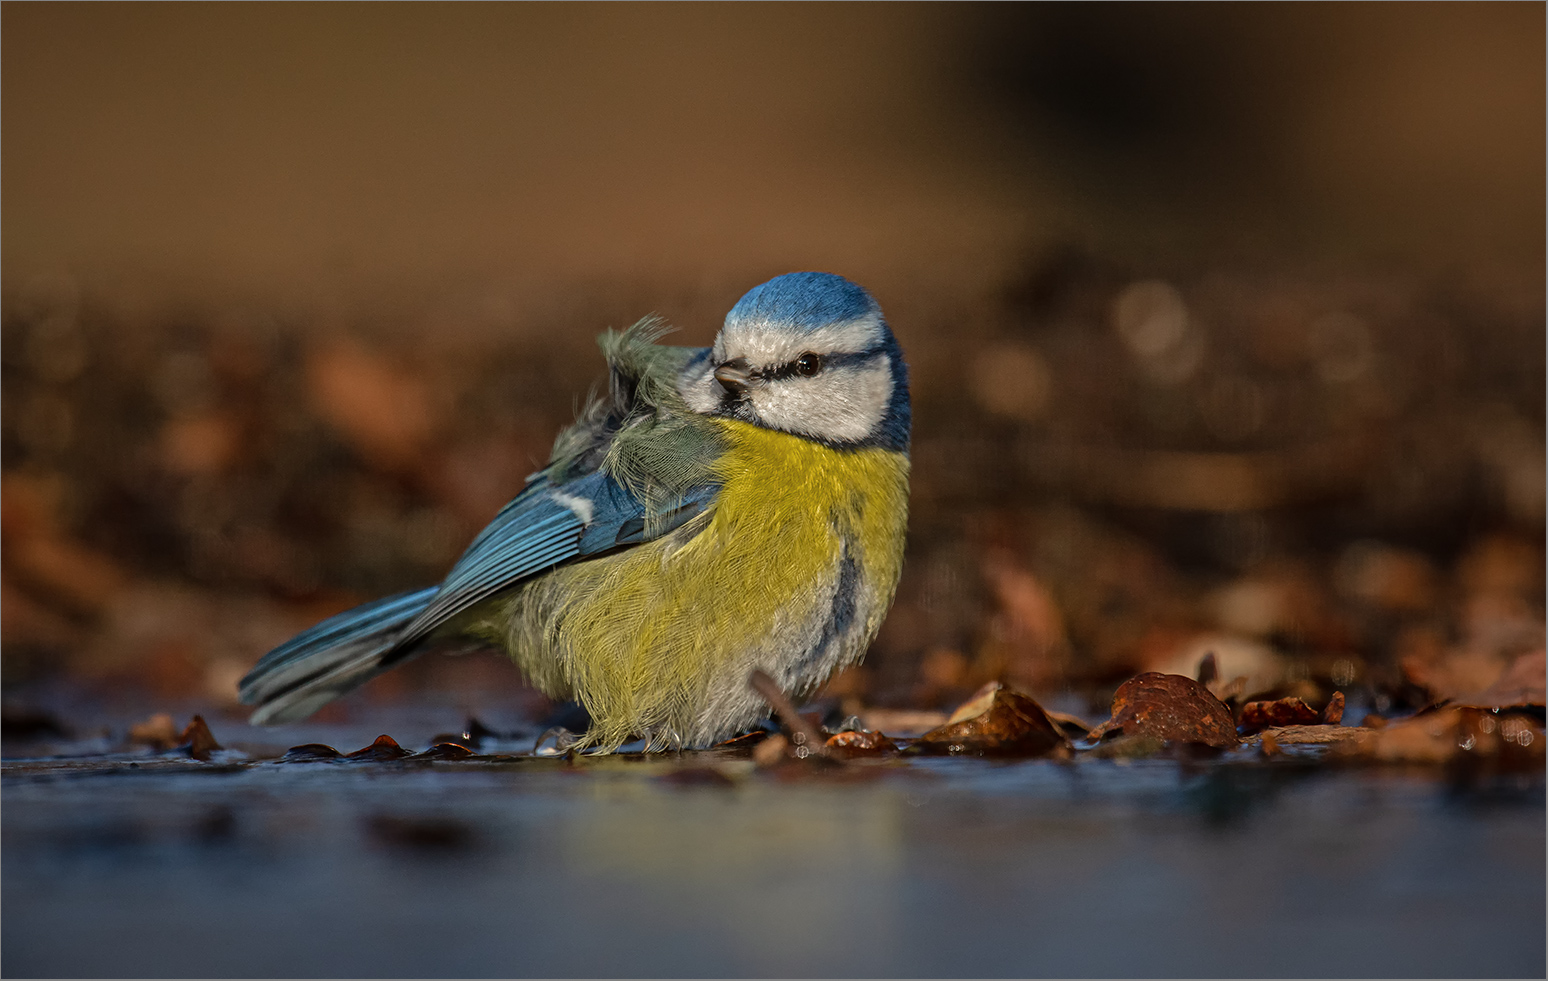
(351, 624)
(537, 532)
(306, 671)
(541, 528)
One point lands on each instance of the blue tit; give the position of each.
(720, 510)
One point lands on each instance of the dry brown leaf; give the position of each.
(1257, 716)
(197, 740)
(310, 752)
(1333, 712)
(1313, 734)
(445, 751)
(1171, 707)
(861, 743)
(999, 722)
(385, 748)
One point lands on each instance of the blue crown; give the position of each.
(803, 301)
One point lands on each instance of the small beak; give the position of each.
(734, 376)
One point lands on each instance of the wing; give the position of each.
(315, 666)
(636, 466)
(546, 525)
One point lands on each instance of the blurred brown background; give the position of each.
(1227, 322)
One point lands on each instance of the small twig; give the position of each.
(802, 734)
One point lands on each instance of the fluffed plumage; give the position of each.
(723, 509)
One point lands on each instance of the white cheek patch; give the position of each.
(844, 405)
(767, 345)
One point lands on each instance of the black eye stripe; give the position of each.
(845, 359)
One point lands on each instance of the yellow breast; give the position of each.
(791, 571)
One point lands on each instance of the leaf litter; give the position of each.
(1153, 715)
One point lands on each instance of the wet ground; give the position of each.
(158, 865)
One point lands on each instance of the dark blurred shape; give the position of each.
(422, 835)
(22, 722)
(1129, 79)
(1279, 114)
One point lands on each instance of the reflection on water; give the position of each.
(823, 865)
(940, 867)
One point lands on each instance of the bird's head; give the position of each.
(809, 354)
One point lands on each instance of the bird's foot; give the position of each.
(564, 741)
(663, 741)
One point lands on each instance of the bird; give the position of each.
(717, 511)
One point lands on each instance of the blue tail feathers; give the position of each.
(344, 651)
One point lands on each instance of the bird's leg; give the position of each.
(564, 740)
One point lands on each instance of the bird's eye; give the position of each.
(808, 364)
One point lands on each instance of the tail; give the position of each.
(338, 655)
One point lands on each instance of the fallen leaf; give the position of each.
(1172, 707)
(444, 751)
(746, 740)
(308, 752)
(1257, 716)
(1313, 734)
(998, 722)
(1073, 726)
(1333, 712)
(197, 740)
(860, 742)
(385, 748)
